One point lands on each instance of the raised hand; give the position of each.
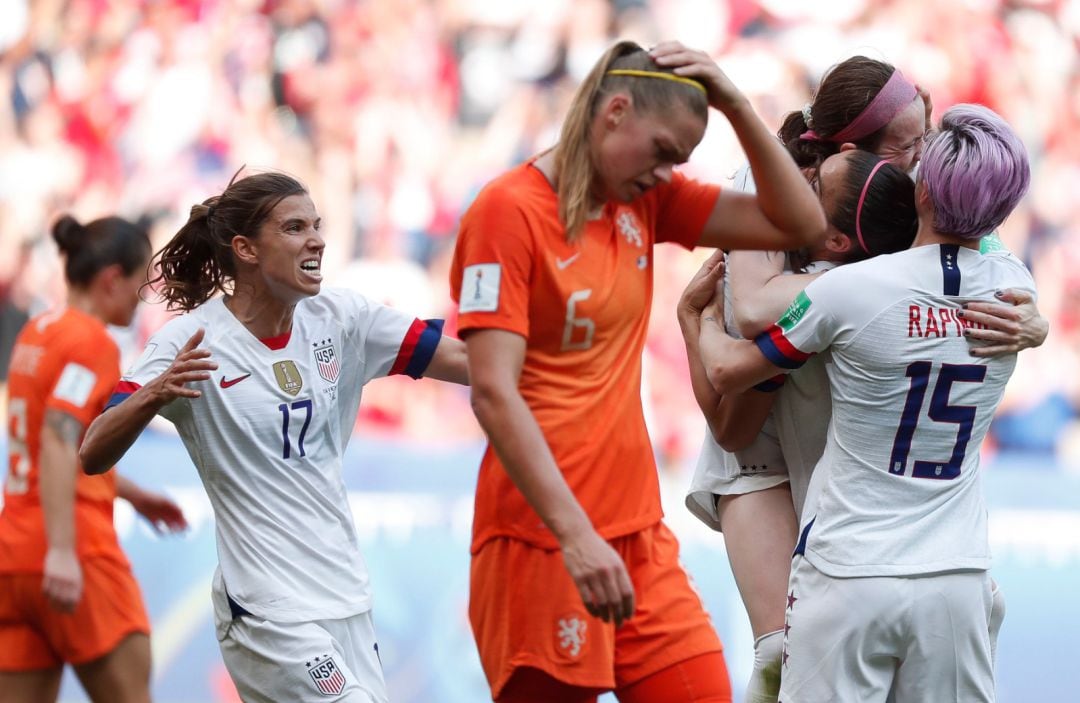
(701, 289)
(190, 365)
(692, 63)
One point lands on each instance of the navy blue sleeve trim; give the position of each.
(425, 348)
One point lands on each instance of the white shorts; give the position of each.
(722, 473)
(323, 660)
(922, 638)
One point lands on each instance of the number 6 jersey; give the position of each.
(584, 311)
(268, 435)
(897, 492)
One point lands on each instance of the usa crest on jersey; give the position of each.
(326, 360)
(326, 676)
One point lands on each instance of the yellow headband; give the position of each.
(658, 74)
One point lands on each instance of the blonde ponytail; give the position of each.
(574, 169)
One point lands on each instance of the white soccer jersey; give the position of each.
(897, 491)
(267, 437)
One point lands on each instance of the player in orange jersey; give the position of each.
(576, 586)
(67, 594)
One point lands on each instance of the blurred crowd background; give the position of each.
(395, 112)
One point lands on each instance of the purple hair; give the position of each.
(976, 170)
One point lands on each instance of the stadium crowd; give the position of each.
(395, 112)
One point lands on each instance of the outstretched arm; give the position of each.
(162, 513)
(495, 360)
(450, 362)
(114, 431)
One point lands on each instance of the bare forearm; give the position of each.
(59, 464)
(760, 292)
(785, 197)
(450, 363)
(113, 432)
(524, 453)
(733, 365)
(704, 393)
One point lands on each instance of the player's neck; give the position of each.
(83, 301)
(928, 235)
(263, 316)
(545, 164)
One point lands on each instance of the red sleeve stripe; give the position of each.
(121, 392)
(408, 346)
(777, 349)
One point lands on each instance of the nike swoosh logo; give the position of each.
(228, 383)
(563, 263)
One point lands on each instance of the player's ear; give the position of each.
(108, 277)
(614, 110)
(244, 250)
(837, 242)
(923, 203)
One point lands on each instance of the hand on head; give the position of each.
(692, 63)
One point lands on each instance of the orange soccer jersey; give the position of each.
(63, 360)
(584, 311)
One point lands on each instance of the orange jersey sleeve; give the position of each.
(62, 361)
(583, 309)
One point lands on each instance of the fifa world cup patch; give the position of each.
(570, 635)
(480, 288)
(288, 377)
(326, 360)
(325, 674)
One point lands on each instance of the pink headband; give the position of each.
(862, 199)
(893, 97)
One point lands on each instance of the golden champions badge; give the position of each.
(288, 378)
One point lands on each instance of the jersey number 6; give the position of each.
(940, 411)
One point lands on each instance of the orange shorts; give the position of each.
(526, 611)
(34, 636)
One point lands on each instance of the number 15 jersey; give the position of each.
(268, 435)
(898, 492)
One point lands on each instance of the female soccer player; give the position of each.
(263, 384)
(866, 104)
(878, 603)
(67, 594)
(575, 582)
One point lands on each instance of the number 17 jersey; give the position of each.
(897, 491)
(268, 435)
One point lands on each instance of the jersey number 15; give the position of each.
(940, 411)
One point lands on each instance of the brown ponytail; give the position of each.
(197, 262)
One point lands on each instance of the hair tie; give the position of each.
(893, 97)
(658, 74)
(810, 136)
(862, 199)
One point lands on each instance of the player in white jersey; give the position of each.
(263, 385)
(863, 103)
(889, 591)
